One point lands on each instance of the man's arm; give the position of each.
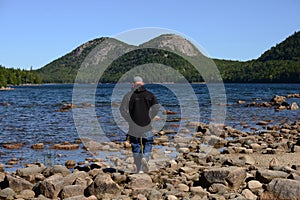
(124, 108)
(154, 108)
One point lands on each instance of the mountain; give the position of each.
(64, 69)
(112, 60)
(289, 49)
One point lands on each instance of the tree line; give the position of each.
(10, 76)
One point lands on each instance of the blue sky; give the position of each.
(34, 32)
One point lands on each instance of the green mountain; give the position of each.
(289, 49)
(279, 64)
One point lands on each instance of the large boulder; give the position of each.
(71, 191)
(139, 181)
(103, 187)
(229, 176)
(265, 176)
(17, 184)
(55, 170)
(69, 179)
(7, 193)
(282, 189)
(50, 187)
(30, 170)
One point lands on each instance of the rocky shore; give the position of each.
(217, 162)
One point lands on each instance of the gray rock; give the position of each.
(282, 189)
(218, 188)
(17, 184)
(71, 191)
(42, 197)
(26, 194)
(199, 191)
(182, 187)
(79, 197)
(255, 186)
(69, 179)
(55, 170)
(265, 176)
(140, 181)
(7, 193)
(31, 170)
(50, 187)
(248, 194)
(155, 195)
(216, 197)
(294, 106)
(230, 176)
(103, 186)
(171, 197)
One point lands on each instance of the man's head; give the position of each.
(137, 80)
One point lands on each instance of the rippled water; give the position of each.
(32, 116)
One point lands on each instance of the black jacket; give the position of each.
(138, 108)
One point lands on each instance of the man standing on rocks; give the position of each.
(138, 108)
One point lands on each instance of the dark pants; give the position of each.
(141, 148)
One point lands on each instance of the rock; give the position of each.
(17, 184)
(26, 194)
(119, 178)
(249, 160)
(7, 193)
(12, 161)
(71, 191)
(282, 189)
(2, 167)
(218, 188)
(171, 197)
(278, 100)
(92, 145)
(65, 146)
(241, 102)
(183, 150)
(141, 197)
(93, 197)
(229, 176)
(254, 186)
(294, 176)
(273, 163)
(294, 106)
(79, 197)
(216, 197)
(249, 195)
(50, 187)
(262, 123)
(70, 164)
(155, 195)
(55, 170)
(199, 191)
(103, 186)
(140, 181)
(30, 170)
(265, 176)
(38, 146)
(182, 187)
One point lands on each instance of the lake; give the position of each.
(32, 114)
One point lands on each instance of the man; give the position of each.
(138, 108)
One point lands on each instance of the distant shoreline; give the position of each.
(6, 88)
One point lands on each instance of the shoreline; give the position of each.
(6, 88)
(249, 167)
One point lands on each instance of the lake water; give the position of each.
(31, 116)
